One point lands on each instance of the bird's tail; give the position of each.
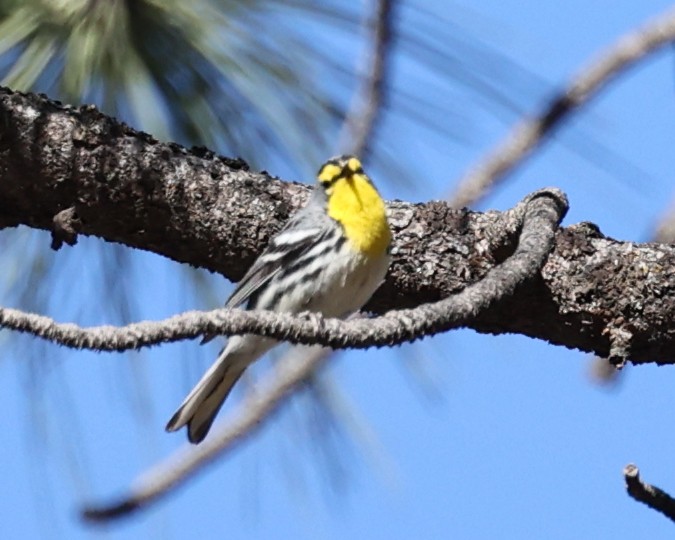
(205, 400)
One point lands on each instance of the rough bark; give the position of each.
(74, 169)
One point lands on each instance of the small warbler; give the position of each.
(329, 258)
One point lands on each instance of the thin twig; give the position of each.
(539, 216)
(544, 208)
(244, 422)
(655, 498)
(364, 112)
(527, 135)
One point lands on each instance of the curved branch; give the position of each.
(655, 498)
(539, 215)
(529, 134)
(212, 212)
(361, 119)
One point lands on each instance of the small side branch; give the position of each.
(655, 498)
(539, 214)
(65, 229)
(529, 134)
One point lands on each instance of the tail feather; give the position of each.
(200, 423)
(203, 403)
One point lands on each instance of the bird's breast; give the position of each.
(360, 211)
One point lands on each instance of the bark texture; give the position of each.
(76, 170)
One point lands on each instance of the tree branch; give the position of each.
(539, 216)
(209, 211)
(529, 134)
(655, 498)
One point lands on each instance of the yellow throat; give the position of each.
(354, 202)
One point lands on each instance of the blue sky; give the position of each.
(465, 435)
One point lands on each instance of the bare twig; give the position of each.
(361, 119)
(244, 422)
(527, 135)
(539, 215)
(655, 498)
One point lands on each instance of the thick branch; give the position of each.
(655, 498)
(529, 134)
(209, 211)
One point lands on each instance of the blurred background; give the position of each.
(462, 435)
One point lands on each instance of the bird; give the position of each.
(329, 258)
